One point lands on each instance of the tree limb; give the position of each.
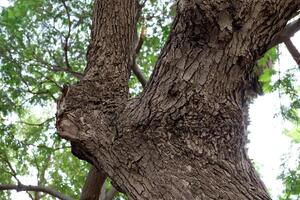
(141, 41)
(286, 33)
(21, 187)
(293, 51)
(66, 43)
(111, 193)
(134, 67)
(93, 184)
(139, 74)
(12, 170)
(56, 68)
(38, 124)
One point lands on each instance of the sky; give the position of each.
(267, 144)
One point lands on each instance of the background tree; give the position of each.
(43, 46)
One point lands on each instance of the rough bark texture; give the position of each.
(185, 136)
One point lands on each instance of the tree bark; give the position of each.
(185, 136)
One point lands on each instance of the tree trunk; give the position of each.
(185, 136)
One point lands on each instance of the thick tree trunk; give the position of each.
(185, 136)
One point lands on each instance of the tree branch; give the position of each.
(93, 184)
(139, 74)
(134, 67)
(293, 51)
(12, 170)
(21, 187)
(141, 41)
(142, 3)
(286, 33)
(111, 193)
(56, 68)
(66, 43)
(38, 124)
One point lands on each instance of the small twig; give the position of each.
(30, 195)
(293, 51)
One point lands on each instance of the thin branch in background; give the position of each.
(293, 51)
(142, 3)
(140, 6)
(141, 40)
(286, 33)
(38, 124)
(49, 80)
(40, 93)
(67, 37)
(134, 67)
(57, 68)
(20, 187)
(42, 146)
(28, 188)
(139, 74)
(12, 170)
(111, 194)
(30, 195)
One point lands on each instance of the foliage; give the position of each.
(283, 82)
(286, 84)
(291, 174)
